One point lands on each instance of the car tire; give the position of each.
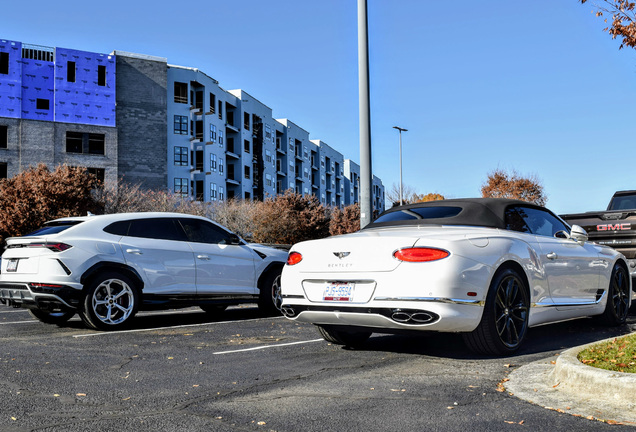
(213, 309)
(617, 306)
(343, 337)
(504, 322)
(111, 301)
(49, 317)
(270, 297)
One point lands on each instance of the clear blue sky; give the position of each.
(533, 86)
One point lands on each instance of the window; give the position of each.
(246, 146)
(221, 166)
(247, 172)
(212, 133)
(181, 156)
(305, 152)
(291, 145)
(42, 104)
(212, 103)
(3, 170)
(213, 165)
(4, 136)
(221, 193)
(181, 125)
(533, 220)
(70, 71)
(198, 162)
(74, 142)
(4, 63)
(199, 129)
(268, 156)
(221, 110)
(201, 231)
(213, 191)
(156, 228)
(220, 137)
(268, 131)
(268, 180)
(180, 92)
(181, 186)
(96, 143)
(246, 121)
(78, 142)
(101, 75)
(99, 173)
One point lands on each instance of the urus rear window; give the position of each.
(51, 229)
(420, 213)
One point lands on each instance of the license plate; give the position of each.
(339, 291)
(12, 265)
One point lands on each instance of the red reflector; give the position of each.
(55, 247)
(420, 254)
(294, 258)
(472, 294)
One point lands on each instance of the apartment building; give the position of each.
(136, 117)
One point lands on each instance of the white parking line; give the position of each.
(19, 322)
(268, 346)
(107, 333)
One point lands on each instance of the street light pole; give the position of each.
(366, 176)
(400, 130)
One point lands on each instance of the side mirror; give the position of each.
(234, 239)
(578, 233)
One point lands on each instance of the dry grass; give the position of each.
(616, 355)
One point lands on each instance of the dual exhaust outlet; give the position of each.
(402, 316)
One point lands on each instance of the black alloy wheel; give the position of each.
(504, 322)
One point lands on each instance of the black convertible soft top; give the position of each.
(486, 212)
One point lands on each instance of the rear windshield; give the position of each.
(623, 202)
(419, 213)
(52, 229)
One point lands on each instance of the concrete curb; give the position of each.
(569, 386)
(577, 378)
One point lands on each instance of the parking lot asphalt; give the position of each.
(239, 371)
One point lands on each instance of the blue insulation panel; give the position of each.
(40, 86)
(86, 100)
(11, 83)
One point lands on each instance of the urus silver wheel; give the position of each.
(113, 301)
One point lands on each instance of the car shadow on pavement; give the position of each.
(543, 339)
(183, 317)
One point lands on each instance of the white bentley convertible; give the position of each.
(488, 268)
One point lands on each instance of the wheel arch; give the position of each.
(103, 266)
(272, 267)
(514, 265)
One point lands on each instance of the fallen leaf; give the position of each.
(80, 394)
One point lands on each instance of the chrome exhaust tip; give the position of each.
(288, 311)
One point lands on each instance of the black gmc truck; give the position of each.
(614, 227)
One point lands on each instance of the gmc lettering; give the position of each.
(617, 227)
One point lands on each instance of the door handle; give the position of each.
(134, 251)
(203, 257)
(552, 256)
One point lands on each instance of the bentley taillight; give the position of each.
(420, 254)
(294, 258)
